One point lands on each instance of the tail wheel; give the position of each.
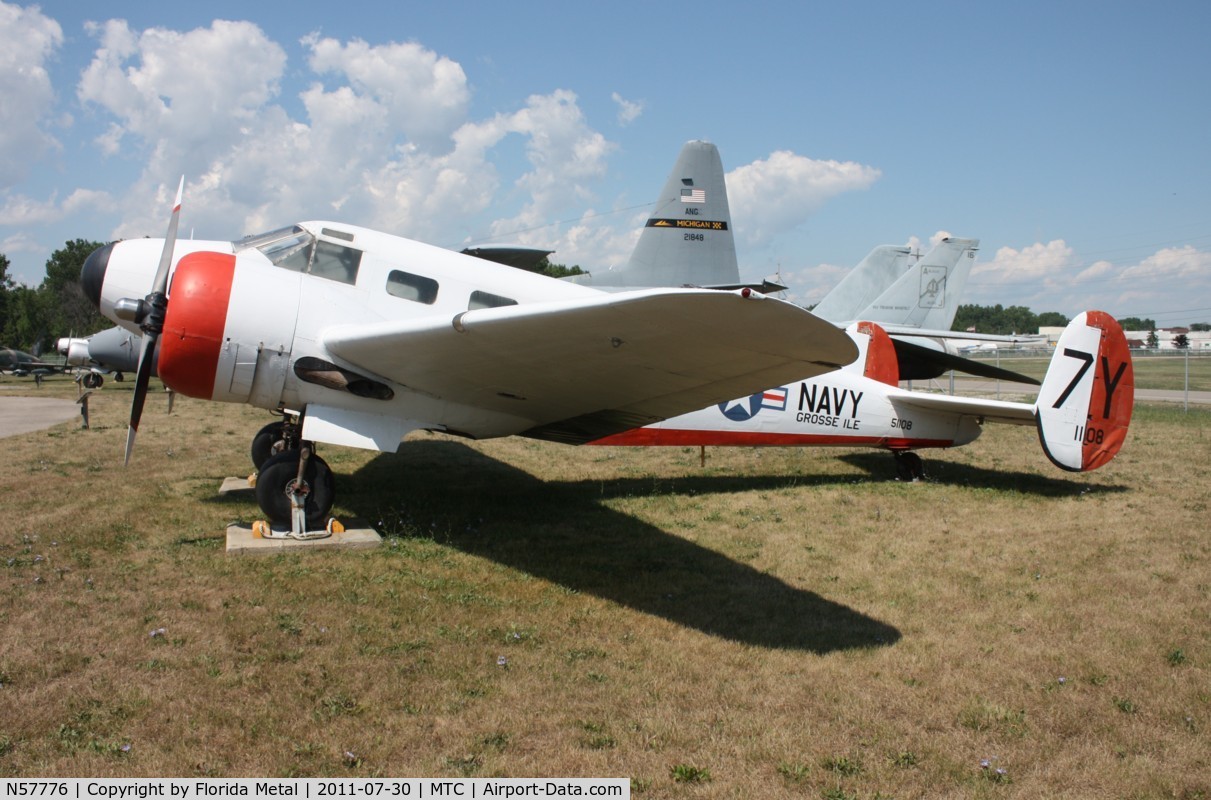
(276, 482)
(909, 466)
(267, 443)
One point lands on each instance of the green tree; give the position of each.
(6, 285)
(68, 311)
(1201, 326)
(1154, 341)
(553, 270)
(1137, 324)
(995, 319)
(1052, 319)
(1181, 341)
(24, 320)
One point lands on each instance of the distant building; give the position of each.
(1138, 340)
(1199, 340)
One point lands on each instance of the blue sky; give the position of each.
(1070, 138)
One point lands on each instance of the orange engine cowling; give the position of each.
(194, 325)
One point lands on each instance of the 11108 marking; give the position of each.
(1089, 435)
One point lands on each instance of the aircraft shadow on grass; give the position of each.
(561, 532)
(948, 473)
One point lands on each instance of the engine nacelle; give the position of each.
(214, 345)
(75, 350)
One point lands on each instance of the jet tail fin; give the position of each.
(687, 240)
(863, 284)
(927, 295)
(1084, 406)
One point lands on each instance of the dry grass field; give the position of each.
(778, 623)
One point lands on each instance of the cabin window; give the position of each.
(336, 262)
(488, 300)
(416, 288)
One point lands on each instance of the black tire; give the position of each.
(275, 478)
(263, 443)
(909, 466)
(93, 380)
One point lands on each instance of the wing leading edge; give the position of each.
(580, 369)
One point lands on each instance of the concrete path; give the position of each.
(1172, 396)
(25, 414)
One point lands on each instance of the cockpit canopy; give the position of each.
(296, 248)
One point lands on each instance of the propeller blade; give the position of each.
(142, 377)
(153, 324)
(170, 240)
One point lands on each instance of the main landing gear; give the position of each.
(909, 466)
(294, 487)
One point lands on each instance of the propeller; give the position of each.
(149, 313)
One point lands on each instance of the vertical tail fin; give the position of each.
(1084, 406)
(688, 238)
(877, 358)
(863, 284)
(927, 295)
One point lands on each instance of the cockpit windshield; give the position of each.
(297, 249)
(289, 248)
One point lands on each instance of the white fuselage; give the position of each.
(841, 408)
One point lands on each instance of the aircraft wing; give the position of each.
(582, 369)
(988, 410)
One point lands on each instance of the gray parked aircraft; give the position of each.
(115, 350)
(20, 363)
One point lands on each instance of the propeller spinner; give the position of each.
(149, 314)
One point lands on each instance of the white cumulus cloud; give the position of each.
(628, 111)
(19, 210)
(30, 39)
(423, 96)
(778, 194)
(384, 138)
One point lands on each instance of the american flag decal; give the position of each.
(774, 398)
(693, 195)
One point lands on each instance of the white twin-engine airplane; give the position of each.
(359, 337)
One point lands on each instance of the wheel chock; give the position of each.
(262, 529)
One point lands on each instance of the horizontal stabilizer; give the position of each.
(923, 363)
(1001, 411)
(765, 287)
(517, 256)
